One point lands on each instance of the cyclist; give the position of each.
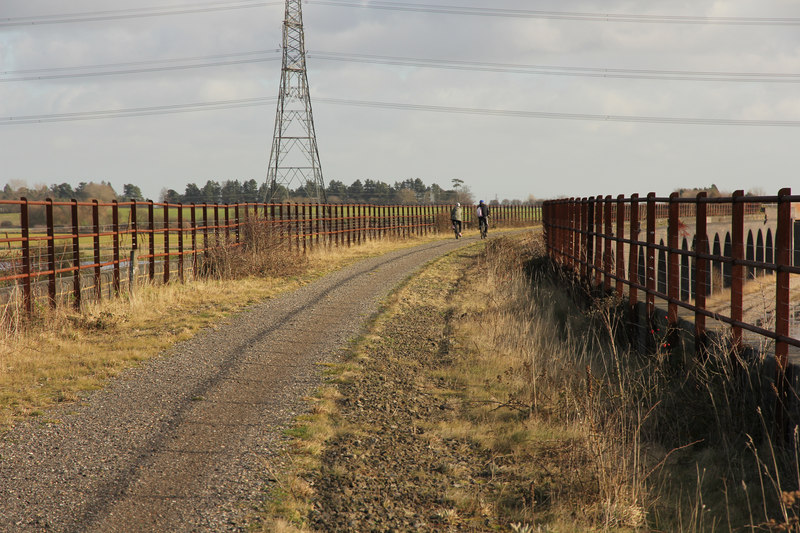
(483, 215)
(455, 218)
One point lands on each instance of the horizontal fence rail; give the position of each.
(68, 252)
(681, 252)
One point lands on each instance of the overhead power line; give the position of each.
(250, 102)
(162, 65)
(562, 116)
(115, 68)
(93, 16)
(137, 111)
(595, 72)
(559, 15)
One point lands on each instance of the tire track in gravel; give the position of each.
(182, 442)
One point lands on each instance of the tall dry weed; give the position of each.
(261, 252)
(678, 441)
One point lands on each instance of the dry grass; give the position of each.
(57, 355)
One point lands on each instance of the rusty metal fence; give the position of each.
(681, 252)
(64, 253)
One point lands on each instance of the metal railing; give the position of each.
(594, 236)
(66, 252)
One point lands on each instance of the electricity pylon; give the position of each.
(294, 158)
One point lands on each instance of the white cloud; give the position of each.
(509, 157)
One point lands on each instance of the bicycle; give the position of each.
(456, 229)
(484, 226)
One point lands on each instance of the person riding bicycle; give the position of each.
(483, 217)
(455, 218)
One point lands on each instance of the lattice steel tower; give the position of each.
(294, 159)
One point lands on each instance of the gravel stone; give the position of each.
(184, 441)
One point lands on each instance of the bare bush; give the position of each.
(260, 252)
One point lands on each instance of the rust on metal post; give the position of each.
(205, 230)
(51, 252)
(633, 252)
(569, 217)
(76, 256)
(620, 255)
(349, 224)
(115, 245)
(673, 261)
(783, 244)
(608, 233)
(650, 271)
(318, 222)
(193, 210)
(98, 281)
(152, 243)
(227, 224)
(586, 247)
(702, 271)
(181, 249)
(598, 241)
(737, 271)
(24, 224)
(134, 229)
(238, 223)
(166, 242)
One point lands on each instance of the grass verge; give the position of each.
(486, 397)
(57, 355)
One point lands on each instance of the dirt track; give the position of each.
(180, 444)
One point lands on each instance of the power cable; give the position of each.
(137, 63)
(509, 68)
(137, 111)
(249, 102)
(560, 15)
(93, 16)
(444, 64)
(141, 70)
(563, 116)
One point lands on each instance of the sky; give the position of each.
(517, 98)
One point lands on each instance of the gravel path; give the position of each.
(181, 443)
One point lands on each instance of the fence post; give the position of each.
(598, 240)
(650, 271)
(673, 265)
(166, 242)
(576, 225)
(152, 243)
(347, 212)
(205, 229)
(134, 231)
(51, 252)
(76, 256)
(737, 270)
(607, 236)
(181, 249)
(24, 224)
(783, 245)
(633, 265)
(98, 281)
(701, 285)
(194, 239)
(620, 255)
(115, 244)
(586, 238)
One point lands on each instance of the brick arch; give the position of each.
(750, 254)
(769, 251)
(661, 270)
(727, 268)
(686, 275)
(716, 266)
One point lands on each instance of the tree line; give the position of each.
(368, 191)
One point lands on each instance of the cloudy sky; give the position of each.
(594, 97)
